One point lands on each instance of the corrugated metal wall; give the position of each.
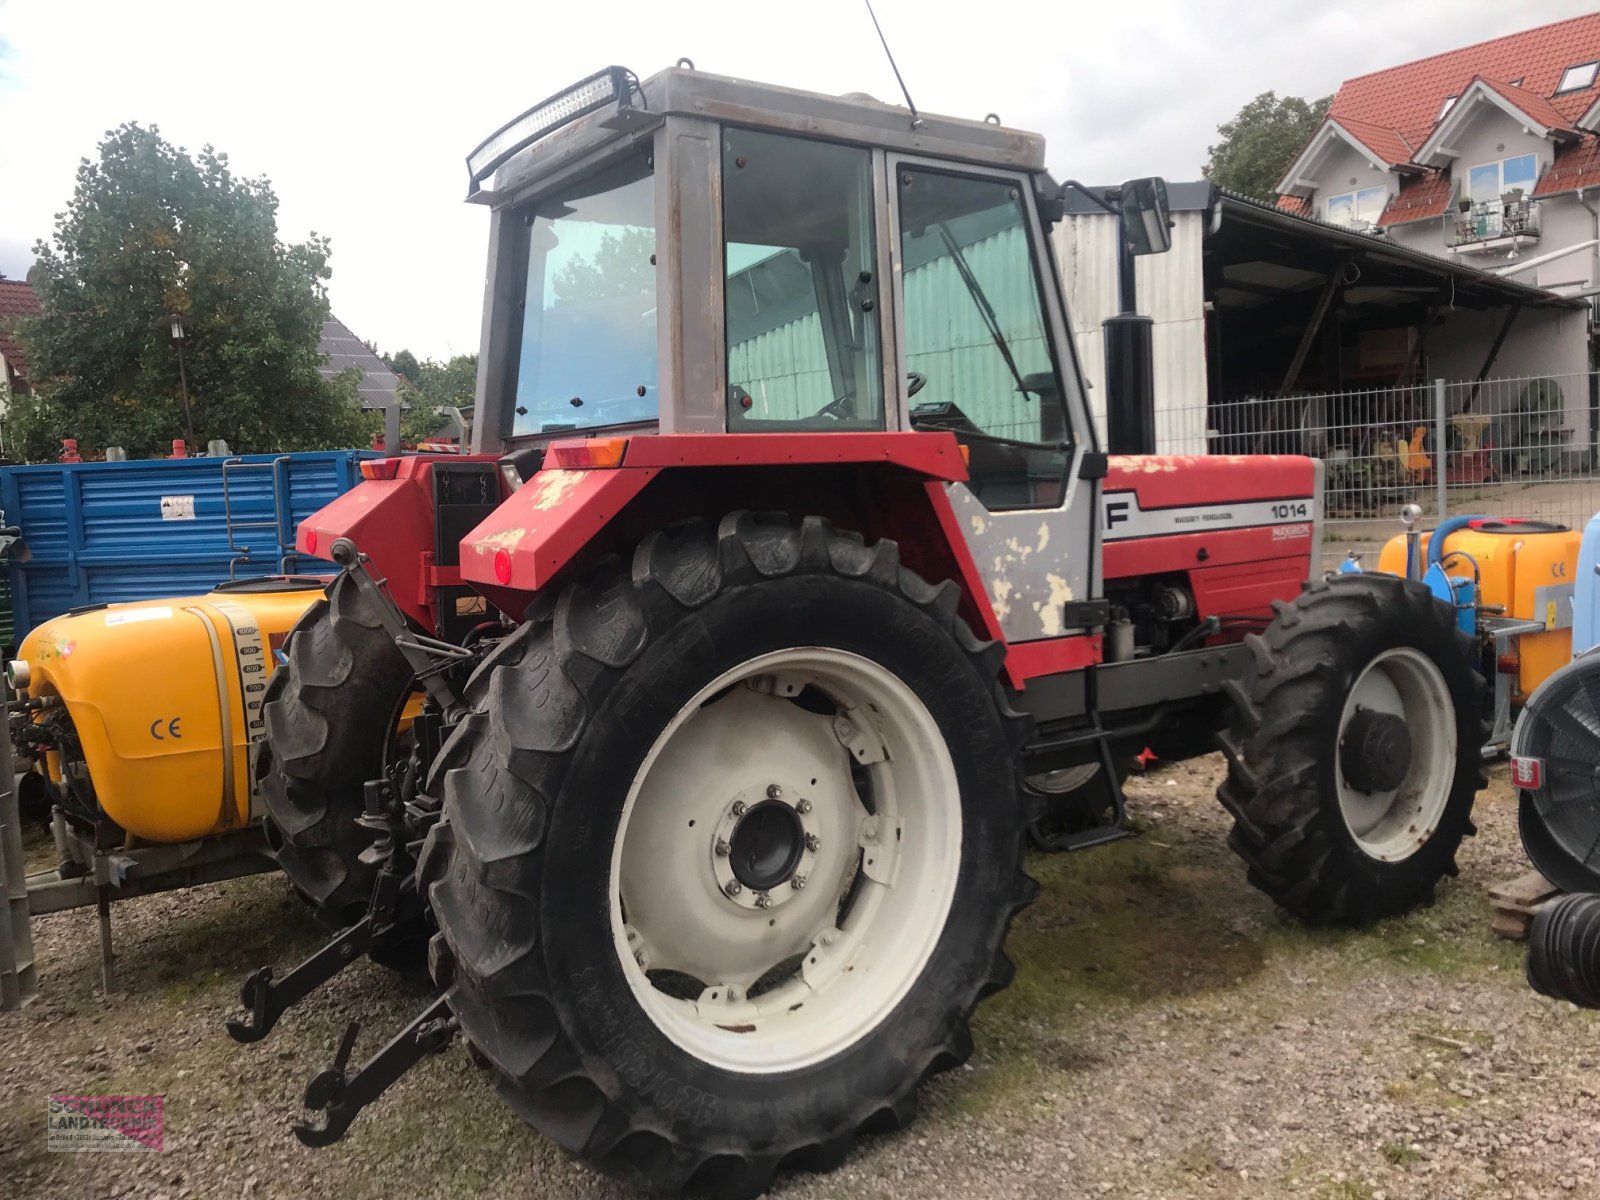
(99, 533)
(947, 322)
(786, 369)
(1171, 291)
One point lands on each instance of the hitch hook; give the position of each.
(268, 999)
(340, 1094)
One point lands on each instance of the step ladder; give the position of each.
(1107, 782)
(280, 523)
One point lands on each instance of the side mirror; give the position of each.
(1146, 224)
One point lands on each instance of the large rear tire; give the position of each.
(331, 713)
(1354, 750)
(729, 850)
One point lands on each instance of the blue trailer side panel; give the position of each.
(104, 532)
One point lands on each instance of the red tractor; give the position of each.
(785, 592)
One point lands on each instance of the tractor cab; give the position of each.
(698, 254)
(835, 264)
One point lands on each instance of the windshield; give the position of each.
(588, 348)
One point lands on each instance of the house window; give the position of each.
(1359, 208)
(1575, 79)
(1449, 103)
(1487, 182)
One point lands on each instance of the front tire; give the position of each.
(1354, 750)
(648, 771)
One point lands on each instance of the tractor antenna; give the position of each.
(916, 117)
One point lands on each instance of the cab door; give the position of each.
(984, 351)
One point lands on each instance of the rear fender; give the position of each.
(391, 521)
(886, 485)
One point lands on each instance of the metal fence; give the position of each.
(1499, 447)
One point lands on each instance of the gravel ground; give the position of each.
(1169, 1035)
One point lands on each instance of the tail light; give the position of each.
(380, 468)
(1527, 772)
(587, 453)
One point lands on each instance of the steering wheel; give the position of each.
(844, 408)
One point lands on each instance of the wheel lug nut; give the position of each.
(732, 887)
(812, 841)
(723, 849)
(738, 808)
(763, 900)
(774, 792)
(798, 883)
(803, 807)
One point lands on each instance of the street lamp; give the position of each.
(178, 323)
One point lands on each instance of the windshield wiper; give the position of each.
(981, 299)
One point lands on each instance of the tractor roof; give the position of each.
(685, 92)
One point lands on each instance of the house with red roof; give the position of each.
(1489, 153)
(17, 300)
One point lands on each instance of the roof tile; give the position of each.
(1576, 165)
(1426, 196)
(1408, 98)
(17, 299)
(1384, 142)
(1535, 106)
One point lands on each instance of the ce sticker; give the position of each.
(170, 725)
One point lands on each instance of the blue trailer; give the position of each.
(102, 532)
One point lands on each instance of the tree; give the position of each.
(430, 386)
(1261, 141)
(404, 364)
(622, 265)
(151, 231)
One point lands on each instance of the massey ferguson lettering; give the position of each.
(1124, 519)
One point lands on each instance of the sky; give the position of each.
(361, 113)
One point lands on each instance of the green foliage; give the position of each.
(428, 386)
(1399, 1154)
(152, 231)
(1261, 141)
(620, 266)
(404, 364)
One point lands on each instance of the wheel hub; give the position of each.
(763, 846)
(766, 845)
(1376, 752)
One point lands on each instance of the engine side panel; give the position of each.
(1241, 529)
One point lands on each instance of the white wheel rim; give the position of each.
(1393, 825)
(825, 973)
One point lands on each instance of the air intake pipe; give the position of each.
(1130, 384)
(1564, 950)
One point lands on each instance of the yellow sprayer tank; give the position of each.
(1527, 567)
(165, 697)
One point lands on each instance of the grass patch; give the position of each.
(1398, 1154)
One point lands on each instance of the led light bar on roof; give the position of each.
(579, 100)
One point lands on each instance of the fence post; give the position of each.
(1439, 453)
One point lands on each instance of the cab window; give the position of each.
(978, 351)
(801, 284)
(587, 351)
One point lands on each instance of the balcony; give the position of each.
(1493, 224)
